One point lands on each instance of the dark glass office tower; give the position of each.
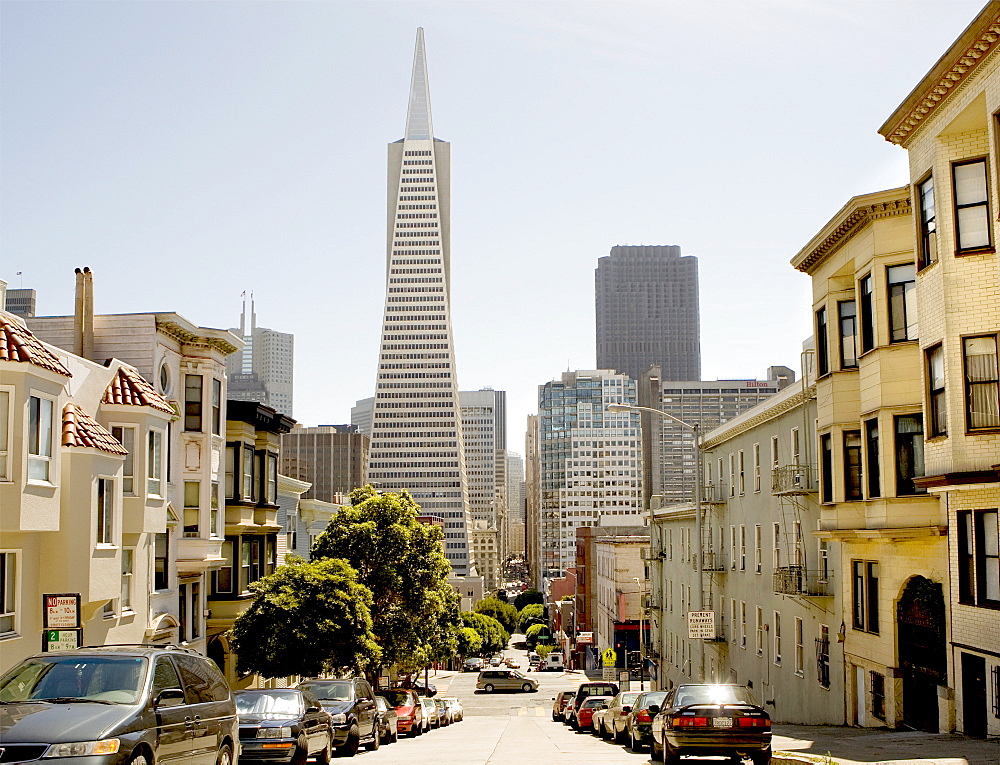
(647, 312)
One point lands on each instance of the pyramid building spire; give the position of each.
(418, 113)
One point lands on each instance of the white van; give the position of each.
(553, 663)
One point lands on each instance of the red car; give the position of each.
(409, 713)
(585, 714)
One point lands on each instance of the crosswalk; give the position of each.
(529, 711)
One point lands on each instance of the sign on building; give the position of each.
(61, 619)
(701, 625)
(584, 638)
(60, 640)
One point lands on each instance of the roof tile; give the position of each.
(80, 429)
(132, 389)
(18, 344)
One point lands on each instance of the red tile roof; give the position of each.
(18, 344)
(130, 388)
(80, 429)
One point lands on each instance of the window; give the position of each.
(126, 437)
(192, 402)
(742, 469)
(732, 475)
(776, 549)
(824, 559)
(39, 438)
(852, 465)
(823, 656)
(972, 219)
(878, 694)
(247, 488)
(822, 350)
(231, 492)
(214, 529)
(797, 541)
(105, 511)
(776, 633)
(774, 461)
(223, 577)
(161, 551)
(743, 548)
(795, 446)
(759, 630)
(902, 302)
(5, 425)
(292, 535)
(757, 541)
(866, 290)
(154, 464)
(935, 391)
(871, 450)
(848, 315)
(982, 382)
(928, 223)
(864, 595)
(192, 508)
(743, 624)
(800, 659)
(732, 547)
(271, 484)
(756, 467)
(979, 557)
(909, 453)
(826, 466)
(216, 406)
(128, 557)
(8, 593)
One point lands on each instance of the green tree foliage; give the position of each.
(535, 634)
(306, 619)
(544, 650)
(401, 561)
(469, 642)
(504, 613)
(502, 595)
(533, 613)
(492, 634)
(528, 597)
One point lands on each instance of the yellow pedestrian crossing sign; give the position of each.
(609, 657)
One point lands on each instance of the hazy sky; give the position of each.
(188, 151)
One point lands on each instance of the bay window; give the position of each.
(972, 218)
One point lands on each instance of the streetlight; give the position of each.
(699, 588)
(642, 633)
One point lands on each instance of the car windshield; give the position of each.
(628, 698)
(599, 690)
(68, 678)
(594, 702)
(396, 698)
(273, 704)
(713, 694)
(656, 697)
(328, 690)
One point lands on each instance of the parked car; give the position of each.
(496, 661)
(708, 720)
(409, 711)
(117, 705)
(444, 713)
(457, 710)
(472, 664)
(585, 715)
(512, 663)
(351, 704)
(431, 718)
(388, 721)
(639, 723)
(615, 716)
(422, 688)
(559, 703)
(596, 688)
(505, 680)
(283, 725)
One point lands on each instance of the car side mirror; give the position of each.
(654, 709)
(626, 710)
(169, 697)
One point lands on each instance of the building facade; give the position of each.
(331, 458)
(647, 311)
(263, 370)
(21, 302)
(416, 424)
(484, 432)
(948, 126)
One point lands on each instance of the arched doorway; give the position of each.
(923, 656)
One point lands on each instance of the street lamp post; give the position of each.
(642, 633)
(699, 585)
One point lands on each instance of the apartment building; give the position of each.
(618, 593)
(331, 458)
(948, 126)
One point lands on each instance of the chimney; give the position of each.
(83, 317)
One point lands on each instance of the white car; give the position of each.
(496, 661)
(457, 710)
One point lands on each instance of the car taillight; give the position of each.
(643, 716)
(690, 722)
(753, 722)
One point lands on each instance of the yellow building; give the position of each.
(949, 127)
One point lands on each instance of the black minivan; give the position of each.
(118, 704)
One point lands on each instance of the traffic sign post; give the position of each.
(61, 640)
(609, 657)
(61, 620)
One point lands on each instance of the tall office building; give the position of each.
(647, 312)
(330, 457)
(515, 504)
(589, 463)
(21, 302)
(669, 462)
(262, 371)
(416, 423)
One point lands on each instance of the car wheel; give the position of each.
(323, 758)
(620, 736)
(656, 752)
(225, 756)
(139, 759)
(300, 755)
(670, 757)
(376, 741)
(526, 687)
(350, 747)
(488, 688)
(634, 744)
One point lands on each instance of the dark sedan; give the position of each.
(283, 725)
(388, 721)
(639, 723)
(711, 720)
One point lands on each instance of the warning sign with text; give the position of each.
(701, 625)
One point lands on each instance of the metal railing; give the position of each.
(793, 479)
(796, 580)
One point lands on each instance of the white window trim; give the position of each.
(147, 478)
(115, 515)
(18, 566)
(55, 438)
(135, 456)
(7, 454)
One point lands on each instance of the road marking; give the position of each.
(539, 711)
(522, 712)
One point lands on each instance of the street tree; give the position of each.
(533, 613)
(504, 613)
(306, 619)
(527, 597)
(469, 642)
(492, 634)
(400, 560)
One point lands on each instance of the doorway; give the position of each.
(923, 659)
(973, 695)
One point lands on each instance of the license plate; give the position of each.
(722, 722)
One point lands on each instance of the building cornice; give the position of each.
(947, 77)
(177, 327)
(773, 411)
(852, 217)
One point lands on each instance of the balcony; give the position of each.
(796, 580)
(196, 555)
(793, 479)
(713, 493)
(713, 561)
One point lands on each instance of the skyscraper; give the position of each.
(647, 312)
(262, 371)
(416, 425)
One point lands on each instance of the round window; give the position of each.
(164, 378)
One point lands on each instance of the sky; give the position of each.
(190, 151)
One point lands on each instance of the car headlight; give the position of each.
(83, 748)
(274, 733)
(338, 719)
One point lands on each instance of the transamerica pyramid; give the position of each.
(416, 433)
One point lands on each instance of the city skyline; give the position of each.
(207, 134)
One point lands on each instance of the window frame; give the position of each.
(973, 564)
(194, 407)
(968, 386)
(155, 456)
(799, 637)
(822, 342)
(128, 580)
(6, 432)
(927, 249)
(937, 404)
(216, 406)
(866, 313)
(33, 433)
(826, 467)
(776, 639)
(161, 573)
(10, 592)
(865, 615)
(853, 467)
(756, 468)
(126, 436)
(843, 322)
(758, 553)
(984, 204)
(104, 515)
(906, 299)
(873, 471)
(904, 481)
